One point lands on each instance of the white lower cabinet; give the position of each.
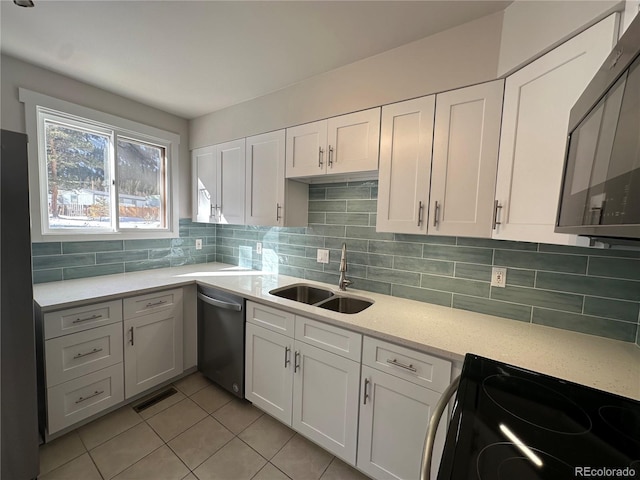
(393, 425)
(325, 399)
(153, 341)
(400, 389)
(311, 389)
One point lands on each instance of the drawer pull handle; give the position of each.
(95, 394)
(92, 317)
(80, 355)
(396, 363)
(156, 303)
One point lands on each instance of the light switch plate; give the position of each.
(498, 277)
(323, 256)
(198, 244)
(259, 248)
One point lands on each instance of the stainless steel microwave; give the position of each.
(600, 195)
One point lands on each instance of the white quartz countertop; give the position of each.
(601, 363)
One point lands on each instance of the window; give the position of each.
(98, 175)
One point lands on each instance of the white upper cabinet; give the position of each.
(537, 102)
(230, 164)
(218, 183)
(270, 199)
(465, 157)
(339, 145)
(406, 139)
(203, 168)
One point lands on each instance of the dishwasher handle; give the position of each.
(220, 304)
(427, 455)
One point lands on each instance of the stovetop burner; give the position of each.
(510, 461)
(622, 420)
(537, 404)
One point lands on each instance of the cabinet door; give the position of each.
(203, 170)
(153, 350)
(325, 400)
(394, 416)
(306, 150)
(405, 166)
(230, 164)
(353, 142)
(537, 103)
(264, 197)
(268, 372)
(465, 158)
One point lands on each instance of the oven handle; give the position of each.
(217, 303)
(425, 467)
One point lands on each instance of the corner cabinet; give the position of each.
(270, 199)
(441, 149)
(347, 144)
(153, 333)
(218, 183)
(537, 102)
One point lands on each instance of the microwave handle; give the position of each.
(425, 466)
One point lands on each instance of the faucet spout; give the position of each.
(343, 283)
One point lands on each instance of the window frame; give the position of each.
(37, 108)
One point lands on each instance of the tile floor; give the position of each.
(201, 432)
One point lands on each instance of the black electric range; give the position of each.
(510, 423)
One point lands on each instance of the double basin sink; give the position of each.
(322, 298)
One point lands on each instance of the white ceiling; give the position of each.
(194, 57)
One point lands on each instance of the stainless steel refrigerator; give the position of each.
(18, 384)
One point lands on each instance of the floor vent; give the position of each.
(158, 397)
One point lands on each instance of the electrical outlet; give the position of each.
(259, 248)
(323, 256)
(498, 277)
(198, 244)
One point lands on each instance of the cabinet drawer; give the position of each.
(330, 338)
(72, 356)
(151, 302)
(271, 318)
(417, 367)
(77, 319)
(83, 397)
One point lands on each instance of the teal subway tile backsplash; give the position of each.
(583, 289)
(55, 261)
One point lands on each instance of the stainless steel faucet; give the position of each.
(343, 283)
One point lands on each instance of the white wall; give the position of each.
(532, 28)
(457, 57)
(16, 73)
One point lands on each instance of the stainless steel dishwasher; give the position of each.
(221, 338)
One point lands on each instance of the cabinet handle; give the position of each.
(366, 395)
(287, 356)
(92, 317)
(80, 355)
(131, 332)
(155, 304)
(396, 363)
(436, 212)
(330, 156)
(420, 209)
(278, 216)
(320, 157)
(213, 211)
(296, 364)
(95, 394)
(496, 207)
